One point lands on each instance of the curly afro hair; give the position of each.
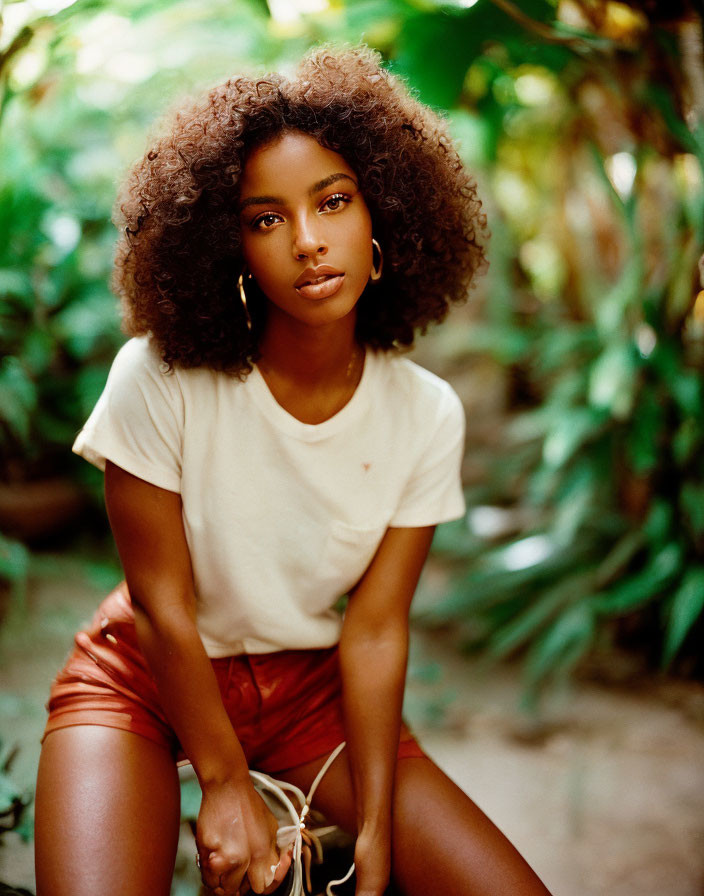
(179, 257)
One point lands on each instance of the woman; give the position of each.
(266, 450)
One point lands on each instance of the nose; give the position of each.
(308, 240)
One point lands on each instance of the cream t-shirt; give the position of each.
(281, 517)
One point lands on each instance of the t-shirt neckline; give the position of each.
(311, 432)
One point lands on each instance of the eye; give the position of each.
(335, 202)
(265, 221)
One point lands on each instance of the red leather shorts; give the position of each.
(285, 707)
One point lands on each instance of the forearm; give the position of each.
(373, 668)
(189, 692)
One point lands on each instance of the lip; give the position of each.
(319, 282)
(321, 270)
(323, 290)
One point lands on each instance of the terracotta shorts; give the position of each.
(285, 707)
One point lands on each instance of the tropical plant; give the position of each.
(583, 121)
(602, 463)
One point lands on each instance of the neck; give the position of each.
(306, 355)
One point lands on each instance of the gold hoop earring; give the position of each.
(376, 267)
(243, 298)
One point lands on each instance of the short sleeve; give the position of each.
(137, 423)
(433, 493)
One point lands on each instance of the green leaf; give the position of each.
(687, 606)
(616, 561)
(638, 590)
(507, 344)
(90, 383)
(687, 389)
(495, 580)
(473, 136)
(15, 282)
(658, 95)
(646, 426)
(563, 645)
(436, 49)
(569, 431)
(85, 322)
(37, 351)
(18, 397)
(546, 605)
(626, 293)
(692, 503)
(14, 569)
(575, 500)
(14, 560)
(564, 346)
(667, 361)
(612, 380)
(687, 440)
(658, 525)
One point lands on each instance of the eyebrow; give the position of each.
(316, 188)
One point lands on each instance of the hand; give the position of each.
(372, 859)
(236, 837)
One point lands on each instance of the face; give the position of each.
(306, 229)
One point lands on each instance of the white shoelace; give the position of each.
(292, 834)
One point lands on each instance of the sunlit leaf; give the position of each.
(613, 381)
(687, 606)
(569, 433)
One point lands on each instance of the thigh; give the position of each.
(106, 815)
(442, 841)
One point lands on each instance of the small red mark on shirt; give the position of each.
(366, 467)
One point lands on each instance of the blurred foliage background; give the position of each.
(579, 357)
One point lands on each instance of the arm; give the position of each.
(148, 529)
(373, 656)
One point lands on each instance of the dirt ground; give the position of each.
(607, 797)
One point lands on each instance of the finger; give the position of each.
(210, 878)
(283, 866)
(208, 874)
(262, 872)
(280, 872)
(223, 875)
(210, 891)
(234, 882)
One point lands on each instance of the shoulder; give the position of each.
(139, 356)
(420, 390)
(138, 374)
(139, 361)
